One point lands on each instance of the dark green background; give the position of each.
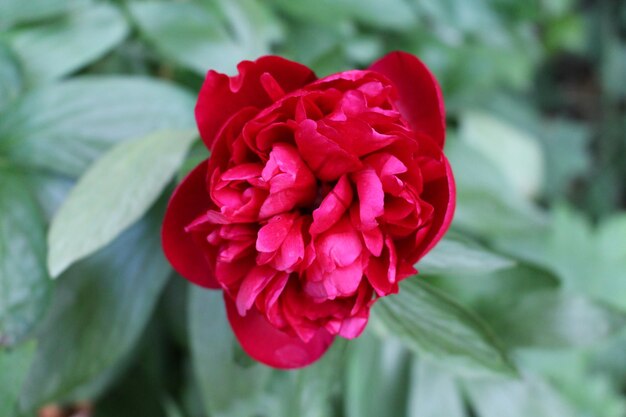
(519, 312)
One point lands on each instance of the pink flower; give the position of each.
(319, 197)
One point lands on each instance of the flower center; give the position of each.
(323, 188)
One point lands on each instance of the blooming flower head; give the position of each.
(319, 197)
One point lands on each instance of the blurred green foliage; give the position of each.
(519, 312)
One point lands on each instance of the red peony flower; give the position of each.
(319, 197)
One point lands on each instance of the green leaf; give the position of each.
(308, 392)
(18, 11)
(517, 155)
(50, 190)
(391, 14)
(171, 408)
(433, 392)
(508, 398)
(378, 372)
(434, 325)
(563, 167)
(252, 23)
(195, 38)
(553, 319)
(613, 68)
(579, 380)
(477, 17)
(487, 204)
(101, 306)
(64, 127)
(458, 256)
(113, 194)
(134, 393)
(587, 260)
(14, 364)
(10, 77)
(52, 50)
(226, 387)
(24, 282)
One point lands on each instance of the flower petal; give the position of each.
(325, 158)
(255, 282)
(420, 101)
(371, 197)
(332, 207)
(352, 327)
(221, 96)
(272, 235)
(443, 197)
(189, 201)
(273, 347)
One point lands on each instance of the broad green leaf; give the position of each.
(196, 38)
(113, 194)
(101, 306)
(133, 394)
(24, 282)
(530, 396)
(613, 68)
(486, 202)
(19, 11)
(579, 380)
(14, 364)
(557, 319)
(253, 24)
(51, 50)
(10, 76)
(50, 190)
(171, 408)
(516, 154)
(492, 294)
(433, 392)
(587, 260)
(227, 387)
(563, 167)
(391, 14)
(377, 375)
(458, 256)
(434, 325)
(462, 17)
(64, 127)
(308, 392)
(306, 43)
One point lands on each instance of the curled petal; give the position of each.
(221, 96)
(371, 197)
(353, 326)
(441, 194)
(256, 280)
(291, 182)
(272, 235)
(339, 246)
(333, 206)
(325, 158)
(242, 172)
(292, 250)
(280, 242)
(271, 346)
(190, 199)
(381, 271)
(420, 99)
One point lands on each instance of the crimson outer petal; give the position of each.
(221, 96)
(190, 199)
(420, 101)
(268, 345)
(445, 202)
